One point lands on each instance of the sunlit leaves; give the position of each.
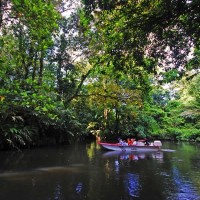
(39, 17)
(194, 88)
(132, 29)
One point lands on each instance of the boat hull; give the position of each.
(130, 148)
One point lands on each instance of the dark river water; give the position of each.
(85, 171)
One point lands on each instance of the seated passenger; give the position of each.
(133, 141)
(147, 141)
(120, 141)
(125, 143)
(129, 142)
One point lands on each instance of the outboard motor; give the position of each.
(157, 143)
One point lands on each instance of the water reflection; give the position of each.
(79, 187)
(184, 188)
(57, 192)
(131, 168)
(134, 156)
(132, 184)
(84, 171)
(56, 169)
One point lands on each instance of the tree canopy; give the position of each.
(101, 69)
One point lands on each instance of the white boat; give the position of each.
(139, 146)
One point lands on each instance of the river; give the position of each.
(87, 172)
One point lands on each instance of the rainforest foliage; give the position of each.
(71, 69)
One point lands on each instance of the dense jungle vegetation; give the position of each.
(71, 69)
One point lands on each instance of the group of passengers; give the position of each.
(132, 142)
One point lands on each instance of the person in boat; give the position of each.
(133, 141)
(120, 141)
(123, 143)
(146, 142)
(129, 141)
(98, 138)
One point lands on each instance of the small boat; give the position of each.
(138, 146)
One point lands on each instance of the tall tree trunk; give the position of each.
(1, 13)
(3, 5)
(41, 69)
(34, 67)
(59, 76)
(116, 121)
(30, 62)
